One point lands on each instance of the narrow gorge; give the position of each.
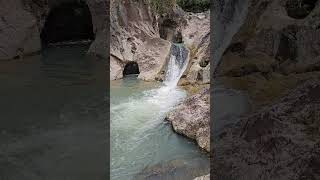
(256, 61)
(159, 62)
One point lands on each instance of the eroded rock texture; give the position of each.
(135, 37)
(198, 41)
(191, 118)
(276, 142)
(274, 46)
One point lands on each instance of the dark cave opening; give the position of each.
(70, 21)
(167, 29)
(131, 68)
(300, 9)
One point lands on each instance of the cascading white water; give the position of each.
(176, 65)
(139, 135)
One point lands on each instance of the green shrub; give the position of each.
(162, 6)
(194, 5)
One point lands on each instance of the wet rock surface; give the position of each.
(191, 118)
(276, 142)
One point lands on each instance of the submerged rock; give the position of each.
(175, 170)
(277, 142)
(191, 118)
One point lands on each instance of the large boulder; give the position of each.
(191, 118)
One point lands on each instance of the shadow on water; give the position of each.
(229, 105)
(53, 111)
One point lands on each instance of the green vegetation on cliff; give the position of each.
(194, 5)
(162, 6)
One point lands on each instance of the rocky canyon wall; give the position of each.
(22, 21)
(274, 57)
(135, 38)
(276, 44)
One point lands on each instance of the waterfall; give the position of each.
(139, 135)
(176, 65)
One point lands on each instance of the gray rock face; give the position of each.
(19, 30)
(272, 50)
(271, 53)
(135, 37)
(290, 41)
(269, 29)
(277, 142)
(198, 41)
(191, 118)
(99, 46)
(23, 20)
(99, 11)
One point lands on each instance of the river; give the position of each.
(143, 145)
(53, 116)
(54, 121)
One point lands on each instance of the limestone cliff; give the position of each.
(135, 37)
(140, 35)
